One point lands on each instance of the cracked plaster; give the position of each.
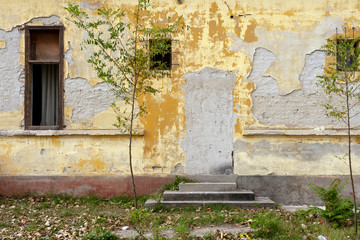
(285, 67)
(85, 99)
(52, 20)
(289, 49)
(300, 108)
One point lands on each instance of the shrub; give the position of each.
(338, 209)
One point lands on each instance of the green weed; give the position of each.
(100, 234)
(338, 209)
(182, 230)
(174, 185)
(140, 220)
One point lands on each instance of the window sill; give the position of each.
(318, 131)
(84, 132)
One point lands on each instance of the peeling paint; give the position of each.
(2, 44)
(85, 100)
(288, 50)
(250, 32)
(301, 108)
(240, 65)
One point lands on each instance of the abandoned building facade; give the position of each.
(241, 103)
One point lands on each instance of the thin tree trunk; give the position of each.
(130, 150)
(130, 144)
(133, 106)
(349, 156)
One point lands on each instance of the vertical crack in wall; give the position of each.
(209, 121)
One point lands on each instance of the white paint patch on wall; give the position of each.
(11, 83)
(47, 20)
(210, 120)
(85, 99)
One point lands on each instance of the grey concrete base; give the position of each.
(197, 196)
(259, 202)
(207, 186)
(293, 190)
(284, 190)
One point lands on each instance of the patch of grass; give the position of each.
(128, 201)
(268, 226)
(74, 218)
(208, 236)
(3, 225)
(101, 234)
(182, 230)
(17, 211)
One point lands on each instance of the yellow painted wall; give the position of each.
(218, 38)
(68, 155)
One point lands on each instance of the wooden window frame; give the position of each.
(29, 62)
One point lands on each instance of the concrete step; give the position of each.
(207, 187)
(242, 195)
(259, 202)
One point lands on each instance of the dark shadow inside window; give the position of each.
(344, 60)
(162, 58)
(45, 91)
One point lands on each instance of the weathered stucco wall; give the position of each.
(240, 67)
(68, 155)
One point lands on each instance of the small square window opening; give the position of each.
(161, 54)
(346, 53)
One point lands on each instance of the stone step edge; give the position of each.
(259, 202)
(209, 183)
(209, 196)
(208, 186)
(209, 192)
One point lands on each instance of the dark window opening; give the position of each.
(43, 82)
(346, 54)
(45, 92)
(161, 54)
